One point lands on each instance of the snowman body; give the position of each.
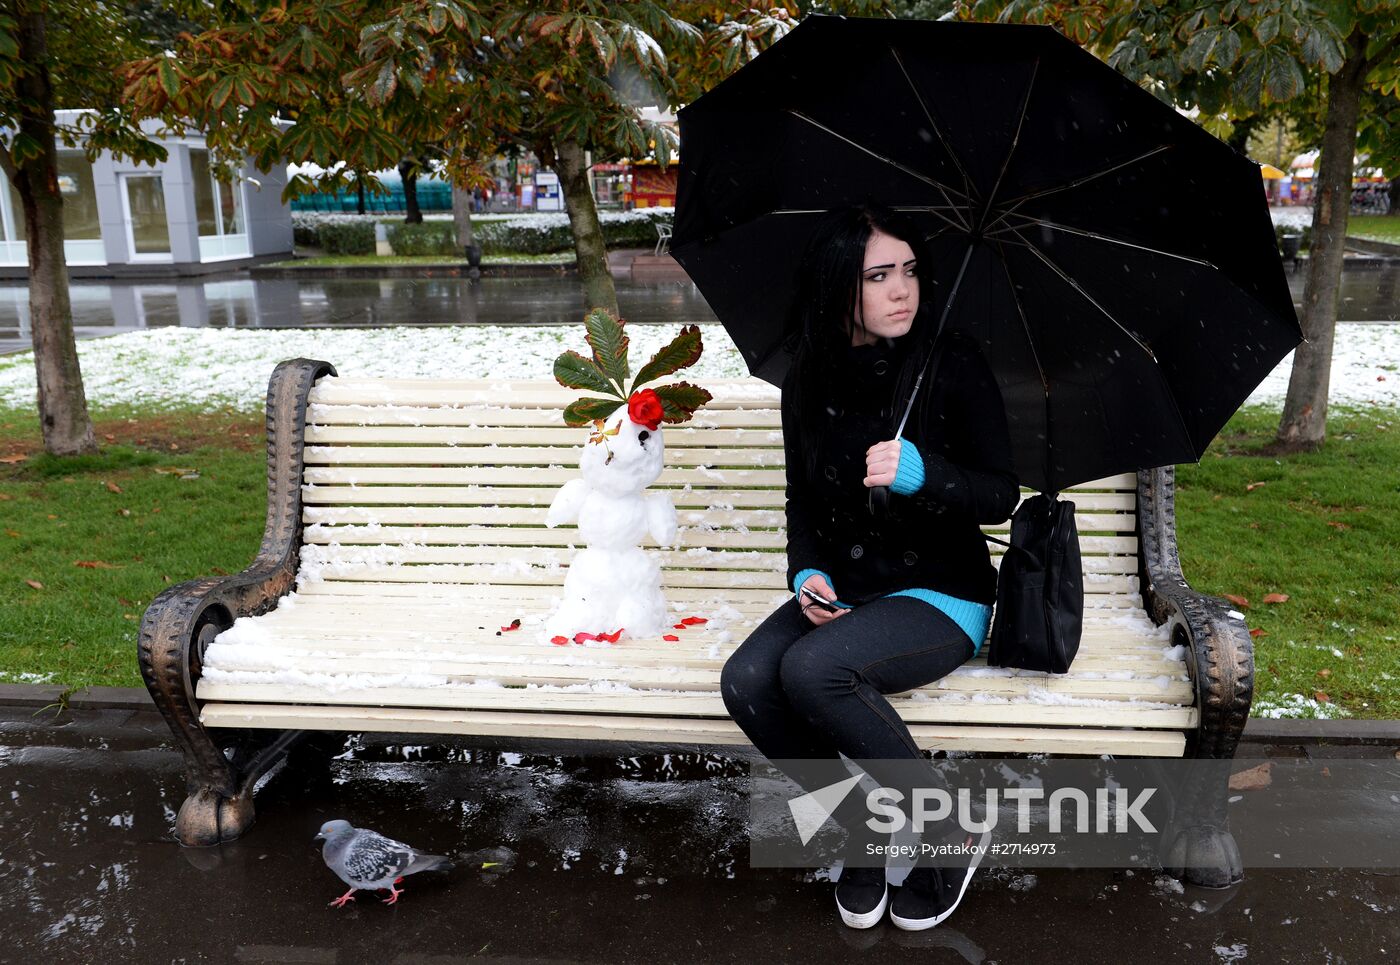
(613, 584)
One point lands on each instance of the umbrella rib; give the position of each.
(1025, 322)
(1035, 250)
(1035, 356)
(930, 208)
(1015, 203)
(1176, 409)
(1010, 151)
(1102, 237)
(942, 188)
(938, 132)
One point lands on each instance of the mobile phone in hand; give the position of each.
(828, 605)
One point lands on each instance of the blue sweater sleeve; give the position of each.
(909, 475)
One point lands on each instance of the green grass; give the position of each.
(1319, 529)
(355, 261)
(79, 626)
(1376, 227)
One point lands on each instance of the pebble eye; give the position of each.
(643, 436)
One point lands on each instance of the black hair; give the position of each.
(829, 286)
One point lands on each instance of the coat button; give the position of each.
(910, 558)
(831, 473)
(881, 367)
(857, 551)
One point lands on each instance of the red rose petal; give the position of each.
(671, 638)
(558, 640)
(678, 626)
(580, 637)
(694, 621)
(611, 637)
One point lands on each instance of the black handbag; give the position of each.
(1040, 589)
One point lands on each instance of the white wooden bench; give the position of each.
(406, 529)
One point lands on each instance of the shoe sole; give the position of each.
(869, 919)
(919, 924)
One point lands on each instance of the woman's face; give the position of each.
(889, 290)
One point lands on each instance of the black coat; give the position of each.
(931, 539)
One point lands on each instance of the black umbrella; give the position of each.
(1116, 262)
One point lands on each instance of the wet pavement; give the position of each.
(593, 859)
(1369, 294)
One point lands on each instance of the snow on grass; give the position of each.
(209, 368)
(1295, 705)
(212, 368)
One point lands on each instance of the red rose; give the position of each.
(644, 408)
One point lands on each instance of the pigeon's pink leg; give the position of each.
(340, 902)
(393, 894)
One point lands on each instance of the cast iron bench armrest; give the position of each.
(182, 621)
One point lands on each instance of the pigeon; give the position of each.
(367, 861)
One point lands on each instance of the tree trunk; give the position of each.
(359, 192)
(63, 413)
(1304, 422)
(589, 247)
(1394, 211)
(408, 170)
(462, 216)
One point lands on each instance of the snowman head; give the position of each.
(626, 458)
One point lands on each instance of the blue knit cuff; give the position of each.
(909, 475)
(804, 575)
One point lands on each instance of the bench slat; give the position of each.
(519, 456)
(476, 573)
(490, 513)
(420, 593)
(676, 436)
(672, 731)
(671, 704)
(548, 476)
(771, 567)
(320, 414)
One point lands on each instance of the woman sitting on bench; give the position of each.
(915, 582)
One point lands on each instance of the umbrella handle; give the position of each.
(879, 500)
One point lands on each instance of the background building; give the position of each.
(176, 218)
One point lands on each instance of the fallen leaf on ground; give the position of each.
(35, 583)
(671, 638)
(113, 487)
(1321, 697)
(1324, 673)
(123, 512)
(1236, 600)
(1337, 525)
(1253, 779)
(95, 565)
(1250, 487)
(17, 458)
(1326, 772)
(1275, 597)
(5, 496)
(1257, 633)
(174, 470)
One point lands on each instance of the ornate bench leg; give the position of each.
(215, 811)
(1202, 850)
(1198, 845)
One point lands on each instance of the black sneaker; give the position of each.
(929, 894)
(861, 896)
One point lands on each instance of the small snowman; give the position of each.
(613, 586)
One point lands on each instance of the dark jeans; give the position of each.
(808, 693)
